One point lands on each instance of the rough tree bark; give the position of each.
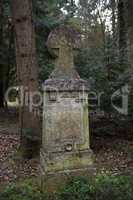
(27, 73)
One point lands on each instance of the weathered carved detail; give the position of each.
(61, 44)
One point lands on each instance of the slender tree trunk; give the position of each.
(1, 96)
(129, 23)
(104, 38)
(27, 73)
(128, 6)
(114, 43)
(122, 33)
(113, 7)
(1, 66)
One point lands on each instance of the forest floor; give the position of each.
(113, 154)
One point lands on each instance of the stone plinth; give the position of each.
(65, 146)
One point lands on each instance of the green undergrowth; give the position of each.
(103, 187)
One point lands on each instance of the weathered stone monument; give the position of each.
(65, 142)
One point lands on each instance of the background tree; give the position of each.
(27, 73)
(6, 49)
(129, 24)
(122, 32)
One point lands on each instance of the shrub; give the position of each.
(114, 188)
(24, 191)
(76, 189)
(103, 187)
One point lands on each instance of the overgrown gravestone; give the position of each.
(65, 145)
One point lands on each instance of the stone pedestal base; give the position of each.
(58, 169)
(65, 142)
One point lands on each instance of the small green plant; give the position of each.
(23, 191)
(102, 187)
(114, 187)
(76, 189)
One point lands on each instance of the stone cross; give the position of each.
(65, 148)
(62, 44)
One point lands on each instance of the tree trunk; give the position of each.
(27, 73)
(1, 95)
(122, 33)
(113, 8)
(113, 20)
(1, 66)
(129, 22)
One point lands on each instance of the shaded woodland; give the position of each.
(105, 60)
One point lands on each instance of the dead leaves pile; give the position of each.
(112, 155)
(10, 169)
